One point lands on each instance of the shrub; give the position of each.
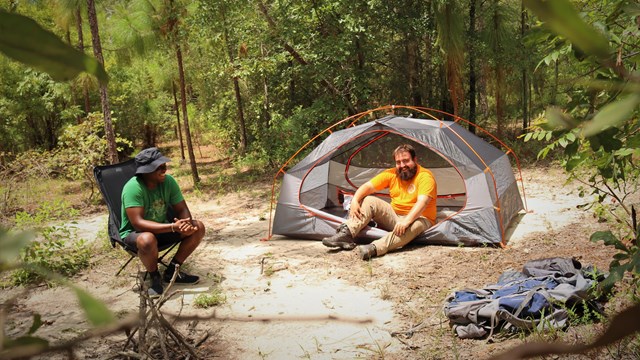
(54, 254)
(207, 300)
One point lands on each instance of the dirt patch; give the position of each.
(302, 286)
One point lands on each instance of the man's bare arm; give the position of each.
(363, 191)
(135, 215)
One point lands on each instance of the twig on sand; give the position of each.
(277, 318)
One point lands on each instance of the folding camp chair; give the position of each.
(111, 180)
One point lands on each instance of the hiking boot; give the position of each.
(342, 239)
(182, 278)
(366, 252)
(155, 288)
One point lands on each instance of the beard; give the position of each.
(407, 173)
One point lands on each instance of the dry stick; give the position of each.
(178, 336)
(144, 313)
(412, 330)
(130, 335)
(142, 334)
(622, 325)
(202, 339)
(162, 321)
(29, 351)
(415, 329)
(157, 315)
(130, 354)
(163, 345)
(158, 329)
(279, 318)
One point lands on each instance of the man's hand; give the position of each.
(354, 211)
(401, 227)
(184, 226)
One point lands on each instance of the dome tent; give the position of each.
(478, 195)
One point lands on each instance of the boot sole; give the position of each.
(342, 245)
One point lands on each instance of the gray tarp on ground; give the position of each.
(477, 190)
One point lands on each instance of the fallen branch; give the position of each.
(624, 324)
(28, 351)
(275, 318)
(156, 335)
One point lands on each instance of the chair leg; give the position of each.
(167, 251)
(125, 265)
(160, 259)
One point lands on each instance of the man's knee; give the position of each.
(368, 200)
(197, 236)
(201, 229)
(146, 242)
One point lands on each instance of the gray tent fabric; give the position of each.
(478, 196)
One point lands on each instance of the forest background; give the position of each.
(257, 79)
(260, 79)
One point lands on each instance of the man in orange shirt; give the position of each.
(412, 210)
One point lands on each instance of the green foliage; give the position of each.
(598, 133)
(95, 310)
(55, 254)
(38, 260)
(213, 298)
(35, 109)
(626, 260)
(10, 246)
(45, 213)
(563, 19)
(22, 39)
(80, 147)
(84, 146)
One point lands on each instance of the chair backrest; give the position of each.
(111, 180)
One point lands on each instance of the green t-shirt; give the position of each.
(155, 202)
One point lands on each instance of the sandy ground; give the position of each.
(321, 304)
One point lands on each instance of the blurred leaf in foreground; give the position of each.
(561, 17)
(22, 39)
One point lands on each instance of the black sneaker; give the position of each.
(182, 278)
(155, 288)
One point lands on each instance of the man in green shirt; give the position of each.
(146, 200)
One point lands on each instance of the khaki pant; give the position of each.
(382, 213)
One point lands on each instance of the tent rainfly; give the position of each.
(478, 195)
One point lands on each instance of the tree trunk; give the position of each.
(85, 85)
(178, 125)
(429, 82)
(451, 31)
(499, 102)
(472, 65)
(236, 87)
(266, 106)
(499, 73)
(185, 118)
(291, 88)
(104, 96)
(148, 136)
(241, 122)
(554, 91)
(72, 85)
(525, 80)
(326, 83)
(412, 71)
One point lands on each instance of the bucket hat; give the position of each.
(148, 160)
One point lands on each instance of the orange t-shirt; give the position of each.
(405, 194)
